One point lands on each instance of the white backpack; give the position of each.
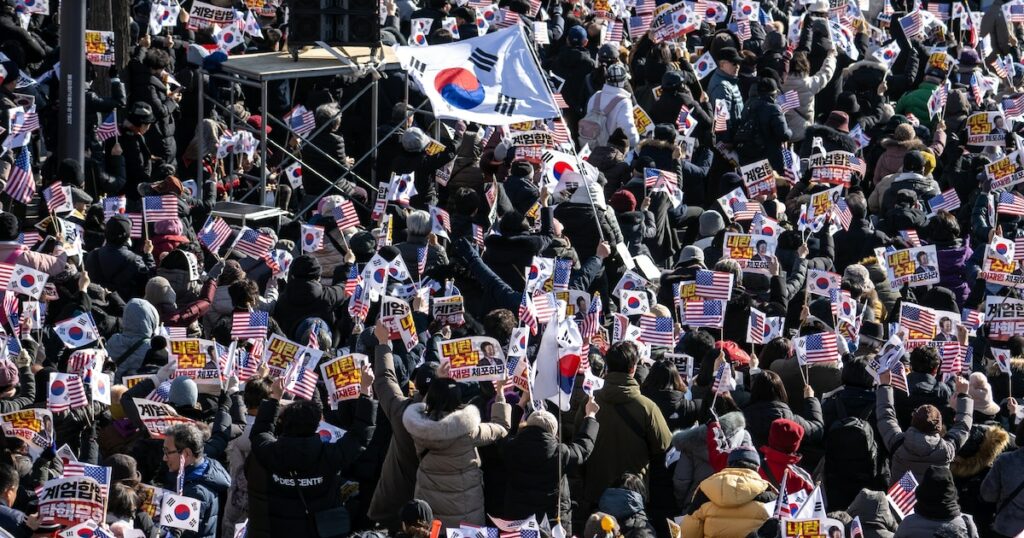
(593, 128)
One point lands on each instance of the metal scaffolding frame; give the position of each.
(257, 70)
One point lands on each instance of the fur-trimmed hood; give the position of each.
(655, 144)
(442, 433)
(1016, 365)
(913, 143)
(985, 443)
(694, 440)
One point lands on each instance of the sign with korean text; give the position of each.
(342, 376)
(912, 266)
(476, 358)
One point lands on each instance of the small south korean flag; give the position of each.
(312, 238)
(27, 281)
(100, 387)
(294, 175)
(179, 512)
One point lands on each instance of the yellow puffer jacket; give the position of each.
(732, 510)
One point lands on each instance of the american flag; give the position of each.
(249, 324)
(214, 233)
(248, 361)
(652, 176)
(755, 327)
(946, 201)
(1013, 106)
(685, 121)
(592, 320)
(305, 383)
(841, 212)
(560, 133)
(300, 120)
(96, 472)
(819, 347)
(1002, 67)
(108, 129)
(527, 313)
(657, 330)
(899, 378)
(724, 380)
(440, 217)
(31, 121)
(137, 224)
(506, 18)
(359, 301)
(561, 274)
(912, 24)
(1010, 203)
(613, 33)
(638, 25)
(713, 284)
(910, 236)
(901, 495)
(975, 85)
(345, 215)
(421, 261)
(941, 11)
(253, 243)
(709, 313)
(544, 307)
(972, 319)
(789, 100)
(31, 238)
(157, 208)
(742, 29)
(856, 529)
(950, 353)
(478, 235)
(1013, 11)
(56, 198)
(354, 279)
(21, 186)
(917, 318)
(721, 116)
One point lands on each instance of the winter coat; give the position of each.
(236, 504)
(771, 135)
(205, 482)
(409, 249)
(620, 448)
(636, 226)
(398, 474)
(954, 268)
(1007, 475)
(578, 223)
(760, 416)
(924, 187)
(831, 139)
(994, 24)
(330, 257)
(693, 466)
(823, 377)
(726, 88)
(917, 525)
(916, 102)
(138, 324)
(16, 253)
(423, 167)
(891, 161)
(970, 468)
(876, 516)
(914, 450)
(532, 460)
(119, 269)
(277, 507)
(620, 117)
(730, 503)
(449, 478)
(508, 256)
(573, 65)
(160, 136)
(302, 299)
(807, 87)
(320, 171)
(859, 242)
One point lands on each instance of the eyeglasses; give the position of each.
(171, 452)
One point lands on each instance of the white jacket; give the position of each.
(807, 87)
(622, 116)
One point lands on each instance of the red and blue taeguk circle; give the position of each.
(633, 302)
(27, 281)
(325, 435)
(379, 275)
(182, 512)
(822, 283)
(561, 167)
(1002, 249)
(57, 388)
(747, 9)
(85, 533)
(76, 333)
(459, 88)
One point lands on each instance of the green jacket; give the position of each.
(916, 103)
(624, 445)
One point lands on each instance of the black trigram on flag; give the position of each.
(417, 65)
(506, 105)
(482, 60)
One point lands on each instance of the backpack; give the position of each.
(593, 128)
(747, 132)
(851, 450)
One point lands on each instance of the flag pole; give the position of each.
(572, 145)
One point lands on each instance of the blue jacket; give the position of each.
(726, 87)
(205, 482)
(13, 521)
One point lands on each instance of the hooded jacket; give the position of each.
(287, 475)
(1007, 475)
(138, 324)
(449, 478)
(876, 517)
(937, 511)
(760, 416)
(305, 297)
(693, 466)
(807, 87)
(915, 450)
(619, 448)
(732, 502)
(726, 87)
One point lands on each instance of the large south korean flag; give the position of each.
(491, 80)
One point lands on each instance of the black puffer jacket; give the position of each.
(760, 415)
(305, 297)
(319, 170)
(532, 462)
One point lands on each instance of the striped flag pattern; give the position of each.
(108, 129)
(1010, 203)
(214, 233)
(709, 313)
(902, 495)
(66, 392)
(946, 201)
(249, 324)
(917, 318)
(21, 186)
(713, 284)
(253, 243)
(527, 313)
(820, 347)
(158, 208)
(345, 215)
(300, 120)
(96, 472)
(789, 101)
(657, 330)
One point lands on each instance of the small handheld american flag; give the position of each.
(713, 284)
(721, 116)
(724, 380)
(561, 274)
(657, 330)
(789, 101)
(253, 243)
(345, 215)
(946, 201)
(249, 324)
(96, 472)
(108, 129)
(300, 120)
(527, 315)
(709, 313)
(819, 347)
(912, 24)
(214, 233)
(902, 495)
(21, 186)
(1010, 203)
(917, 318)
(158, 208)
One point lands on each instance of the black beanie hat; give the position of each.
(69, 172)
(118, 230)
(305, 267)
(9, 226)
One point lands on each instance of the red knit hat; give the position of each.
(623, 201)
(785, 435)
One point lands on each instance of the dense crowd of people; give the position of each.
(783, 288)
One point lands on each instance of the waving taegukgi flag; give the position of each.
(491, 80)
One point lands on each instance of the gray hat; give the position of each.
(415, 512)
(856, 276)
(711, 222)
(691, 253)
(183, 392)
(616, 75)
(79, 196)
(415, 140)
(744, 456)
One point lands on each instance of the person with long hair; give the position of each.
(769, 401)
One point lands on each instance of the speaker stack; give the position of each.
(336, 22)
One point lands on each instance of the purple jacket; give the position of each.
(953, 269)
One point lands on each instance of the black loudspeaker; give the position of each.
(336, 22)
